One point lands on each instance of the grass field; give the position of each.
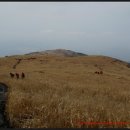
(59, 92)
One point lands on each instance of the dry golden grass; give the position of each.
(60, 92)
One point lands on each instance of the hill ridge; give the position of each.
(63, 52)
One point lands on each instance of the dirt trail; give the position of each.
(3, 99)
(18, 62)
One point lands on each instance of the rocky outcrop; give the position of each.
(3, 98)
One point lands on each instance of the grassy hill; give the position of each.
(61, 91)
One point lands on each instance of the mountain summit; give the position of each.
(62, 52)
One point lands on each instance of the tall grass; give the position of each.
(60, 94)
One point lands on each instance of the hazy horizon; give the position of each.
(93, 28)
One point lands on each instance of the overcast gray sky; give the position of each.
(99, 28)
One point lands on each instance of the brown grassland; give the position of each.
(59, 92)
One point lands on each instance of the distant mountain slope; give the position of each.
(62, 52)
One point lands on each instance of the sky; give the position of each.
(94, 28)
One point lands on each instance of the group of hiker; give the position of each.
(12, 75)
